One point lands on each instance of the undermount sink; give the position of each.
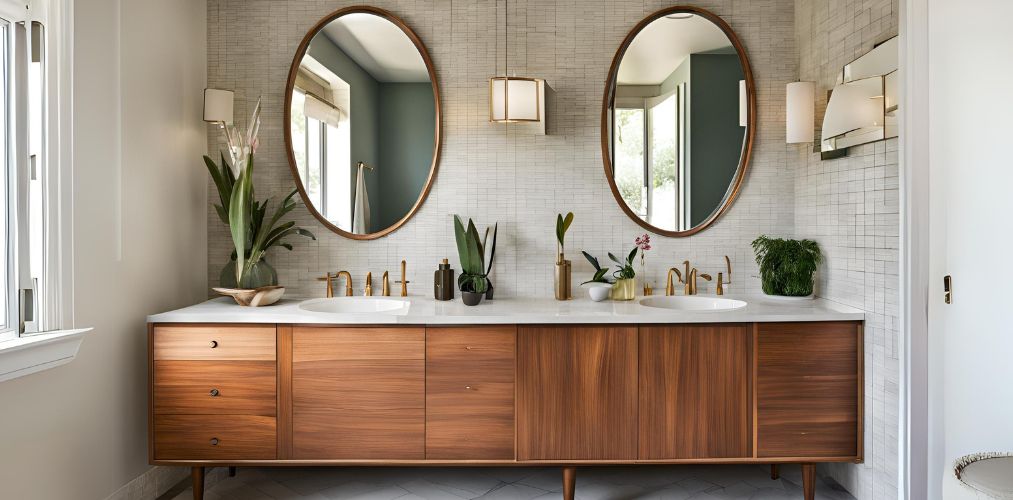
(693, 303)
(357, 305)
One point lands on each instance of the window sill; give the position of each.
(27, 355)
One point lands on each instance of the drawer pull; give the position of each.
(214, 441)
(468, 387)
(214, 343)
(214, 393)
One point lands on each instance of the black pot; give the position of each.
(471, 298)
(489, 290)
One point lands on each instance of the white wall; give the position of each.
(79, 431)
(971, 340)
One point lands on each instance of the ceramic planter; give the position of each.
(598, 291)
(472, 298)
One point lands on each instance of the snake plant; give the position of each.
(471, 250)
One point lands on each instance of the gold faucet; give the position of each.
(691, 281)
(330, 282)
(670, 287)
(404, 279)
(721, 281)
(368, 292)
(386, 285)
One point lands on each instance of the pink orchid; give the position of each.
(643, 242)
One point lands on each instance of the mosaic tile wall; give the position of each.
(506, 173)
(851, 207)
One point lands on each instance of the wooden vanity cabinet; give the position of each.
(695, 392)
(470, 393)
(358, 393)
(213, 392)
(506, 394)
(577, 393)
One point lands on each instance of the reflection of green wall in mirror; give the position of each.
(364, 116)
(407, 131)
(715, 141)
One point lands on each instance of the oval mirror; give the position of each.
(678, 121)
(362, 108)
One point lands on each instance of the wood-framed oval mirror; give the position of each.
(678, 121)
(362, 122)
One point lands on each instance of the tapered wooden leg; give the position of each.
(197, 475)
(809, 481)
(569, 482)
(774, 474)
(232, 471)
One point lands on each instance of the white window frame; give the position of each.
(56, 341)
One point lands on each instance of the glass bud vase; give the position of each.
(260, 274)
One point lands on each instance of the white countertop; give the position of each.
(427, 311)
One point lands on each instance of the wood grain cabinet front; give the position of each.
(809, 390)
(577, 392)
(470, 393)
(358, 393)
(694, 392)
(215, 437)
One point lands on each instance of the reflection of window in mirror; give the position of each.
(321, 140)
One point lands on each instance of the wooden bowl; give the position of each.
(263, 296)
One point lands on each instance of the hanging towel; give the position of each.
(360, 217)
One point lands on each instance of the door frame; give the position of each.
(919, 449)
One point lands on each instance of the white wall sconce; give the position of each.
(218, 105)
(800, 104)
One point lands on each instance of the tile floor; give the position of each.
(691, 482)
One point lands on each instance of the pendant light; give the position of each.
(514, 98)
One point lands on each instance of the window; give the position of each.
(31, 185)
(321, 137)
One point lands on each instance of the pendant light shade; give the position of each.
(800, 112)
(218, 105)
(515, 99)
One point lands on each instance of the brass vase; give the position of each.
(624, 289)
(564, 289)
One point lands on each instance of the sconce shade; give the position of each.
(854, 106)
(218, 105)
(515, 99)
(800, 104)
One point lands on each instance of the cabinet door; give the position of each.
(358, 393)
(694, 392)
(470, 393)
(809, 390)
(576, 393)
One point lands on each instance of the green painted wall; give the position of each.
(715, 135)
(364, 114)
(407, 129)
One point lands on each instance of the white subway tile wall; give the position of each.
(509, 174)
(850, 206)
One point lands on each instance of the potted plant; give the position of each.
(787, 267)
(474, 281)
(624, 287)
(492, 256)
(564, 267)
(253, 232)
(599, 286)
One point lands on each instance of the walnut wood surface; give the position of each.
(189, 437)
(576, 392)
(232, 342)
(694, 397)
(470, 393)
(807, 389)
(358, 393)
(243, 387)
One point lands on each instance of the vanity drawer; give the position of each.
(215, 342)
(215, 387)
(470, 393)
(215, 437)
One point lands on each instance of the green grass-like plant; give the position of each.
(787, 266)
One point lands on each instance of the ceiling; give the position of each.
(662, 46)
(379, 47)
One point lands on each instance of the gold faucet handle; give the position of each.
(705, 276)
(728, 266)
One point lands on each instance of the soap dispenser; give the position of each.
(443, 282)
